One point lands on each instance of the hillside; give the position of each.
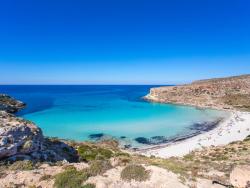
(220, 93)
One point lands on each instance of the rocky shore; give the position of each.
(232, 93)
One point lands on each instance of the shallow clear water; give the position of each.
(75, 112)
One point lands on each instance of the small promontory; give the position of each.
(220, 93)
(10, 104)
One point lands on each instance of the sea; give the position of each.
(94, 112)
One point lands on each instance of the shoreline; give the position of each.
(234, 128)
(152, 99)
(184, 137)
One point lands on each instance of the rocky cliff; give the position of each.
(18, 136)
(22, 139)
(220, 93)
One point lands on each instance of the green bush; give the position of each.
(89, 185)
(99, 167)
(88, 153)
(188, 157)
(106, 153)
(122, 154)
(70, 178)
(22, 165)
(135, 172)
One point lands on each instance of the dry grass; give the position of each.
(238, 101)
(22, 165)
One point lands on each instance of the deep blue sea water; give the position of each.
(77, 112)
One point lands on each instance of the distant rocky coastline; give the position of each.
(232, 93)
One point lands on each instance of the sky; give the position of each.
(122, 41)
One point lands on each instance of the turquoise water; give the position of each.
(76, 112)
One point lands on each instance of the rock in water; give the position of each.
(18, 136)
(96, 136)
(240, 176)
(142, 140)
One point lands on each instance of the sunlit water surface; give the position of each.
(76, 112)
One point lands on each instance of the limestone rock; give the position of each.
(240, 176)
(18, 136)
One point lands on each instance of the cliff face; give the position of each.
(220, 93)
(18, 136)
(22, 139)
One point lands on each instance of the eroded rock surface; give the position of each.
(18, 136)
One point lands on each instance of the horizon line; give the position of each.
(86, 84)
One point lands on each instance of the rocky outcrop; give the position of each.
(18, 136)
(22, 139)
(222, 93)
(240, 176)
(9, 104)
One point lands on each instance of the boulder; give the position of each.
(240, 176)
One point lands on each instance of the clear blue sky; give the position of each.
(122, 41)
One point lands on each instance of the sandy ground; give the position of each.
(235, 128)
(23, 179)
(159, 178)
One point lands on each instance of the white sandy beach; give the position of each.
(235, 128)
